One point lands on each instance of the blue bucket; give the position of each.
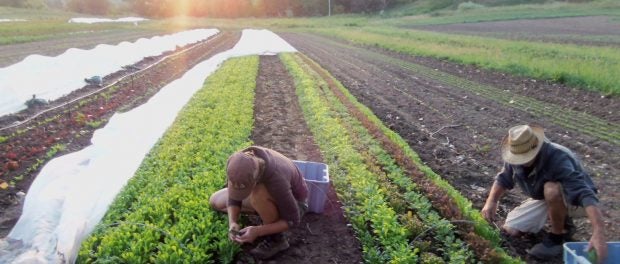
(317, 179)
(575, 253)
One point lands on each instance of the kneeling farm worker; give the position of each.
(262, 181)
(558, 187)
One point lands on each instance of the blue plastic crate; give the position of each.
(316, 175)
(575, 253)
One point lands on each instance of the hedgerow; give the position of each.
(591, 68)
(162, 215)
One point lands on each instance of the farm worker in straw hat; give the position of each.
(263, 181)
(558, 188)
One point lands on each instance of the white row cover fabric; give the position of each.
(92, 20)
(72, 193)
(12, 20)
(52, 77)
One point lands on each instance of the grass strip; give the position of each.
(162, 215)
(593, 68)
(554, 9)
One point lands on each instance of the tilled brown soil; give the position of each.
(26, 148)
(279, 124)
(590, 30)
(14, 53)
(457, 132)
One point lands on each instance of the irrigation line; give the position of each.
(106, 87)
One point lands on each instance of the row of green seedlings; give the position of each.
(449, 199)
(363, 210)
(592, 68)
(78, 117)
(383, 238)
(444, 197)
(55, 149)
(162, 215)
(561, 116)
(426, 226)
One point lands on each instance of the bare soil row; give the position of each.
(279, 124)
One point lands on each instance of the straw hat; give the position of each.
(522, 144)
(242, 171)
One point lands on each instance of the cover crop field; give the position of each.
(408, 113)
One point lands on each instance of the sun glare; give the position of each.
(182, 7)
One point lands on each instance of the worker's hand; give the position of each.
(489, 210)
(233, 231)
(597, 241)
(247, 235)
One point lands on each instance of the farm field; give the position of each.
(456, 130)
(69, 128)
(279, 125)
(408, 117)
(594, 30)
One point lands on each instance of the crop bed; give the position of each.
(28, 147)
(279, 124)
(412, 146)
(589, 30)
(456, 130)
(165, 206)
(398, 213)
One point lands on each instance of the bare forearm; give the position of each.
(273, 228)
(496, 193)
(598, 240)
(596, 218)
(233, 214)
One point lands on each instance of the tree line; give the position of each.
(242, 8)
(211, 8)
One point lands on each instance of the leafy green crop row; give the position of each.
(402, 193)
(386, 241)
(163, 215)
(409, 189)
(592, 68)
